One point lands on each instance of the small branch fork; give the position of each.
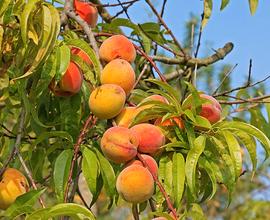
(89, 123)
(161, 188)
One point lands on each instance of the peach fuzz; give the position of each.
(170, 122)
(119, 72)
(135, 184)
(119, 144)
(211, 110)
(81, 54)
(150, 161)
(117, 46)
(150, 137)
(72, 79)
(107, 101)
(126, 116)
(87, 12)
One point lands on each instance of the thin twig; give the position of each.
(161, 188)
(150, 60)
(242, 87)
(166, 27)
(82, 134)
(225, 77)
(141, 75)
(135, 212)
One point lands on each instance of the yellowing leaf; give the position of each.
(253, 4)
(207, 11)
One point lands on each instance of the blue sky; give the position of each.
(250, 34)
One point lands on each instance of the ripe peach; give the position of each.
(119, 72)
(107, 101)
(119, 144)
(150, 137)
(126, 116)
(87, 12)
(72, 80)
(212, 110)
(81, 54)
(150, 162)
(170, 122)
(135, 184)
(12, 185)
(156, 98)
(117, 46)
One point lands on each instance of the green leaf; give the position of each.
(250, 143)
(49, 134)
(3, 6)
(235, 152)
(204, 163)
(64, 209)
(224, 3)
(191, 162)
(63, 59)
(208, 6)
(107, 173)
(196, 212)
(253, 4)
(250, 129)
(178, 181)
(28, 8)
(82, 45)
(91, 171)
(24, 204)
(61, 172)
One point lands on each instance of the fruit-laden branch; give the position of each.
(218, 55)
(102, 11)
(90, 122)
(161, 188)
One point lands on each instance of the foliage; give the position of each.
(35, 53)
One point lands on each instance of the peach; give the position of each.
(135, 184)
(81, 54)
(119, 72)
(150, 137)
(107, 101)
(117, 46)
(87, 11)
(126, 116)
(150, 161)
(170, 122)
(156, 98)
(119, 144)
(72, 80)
(12, 185)
(211, 110)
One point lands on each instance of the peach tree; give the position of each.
(87, 107)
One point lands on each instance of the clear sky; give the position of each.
(250, 34)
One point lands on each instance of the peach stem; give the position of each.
(82, 134)
(161, 188)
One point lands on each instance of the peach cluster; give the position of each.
(117, 78)
(135, 183)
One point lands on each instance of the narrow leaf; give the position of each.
(253, 4)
